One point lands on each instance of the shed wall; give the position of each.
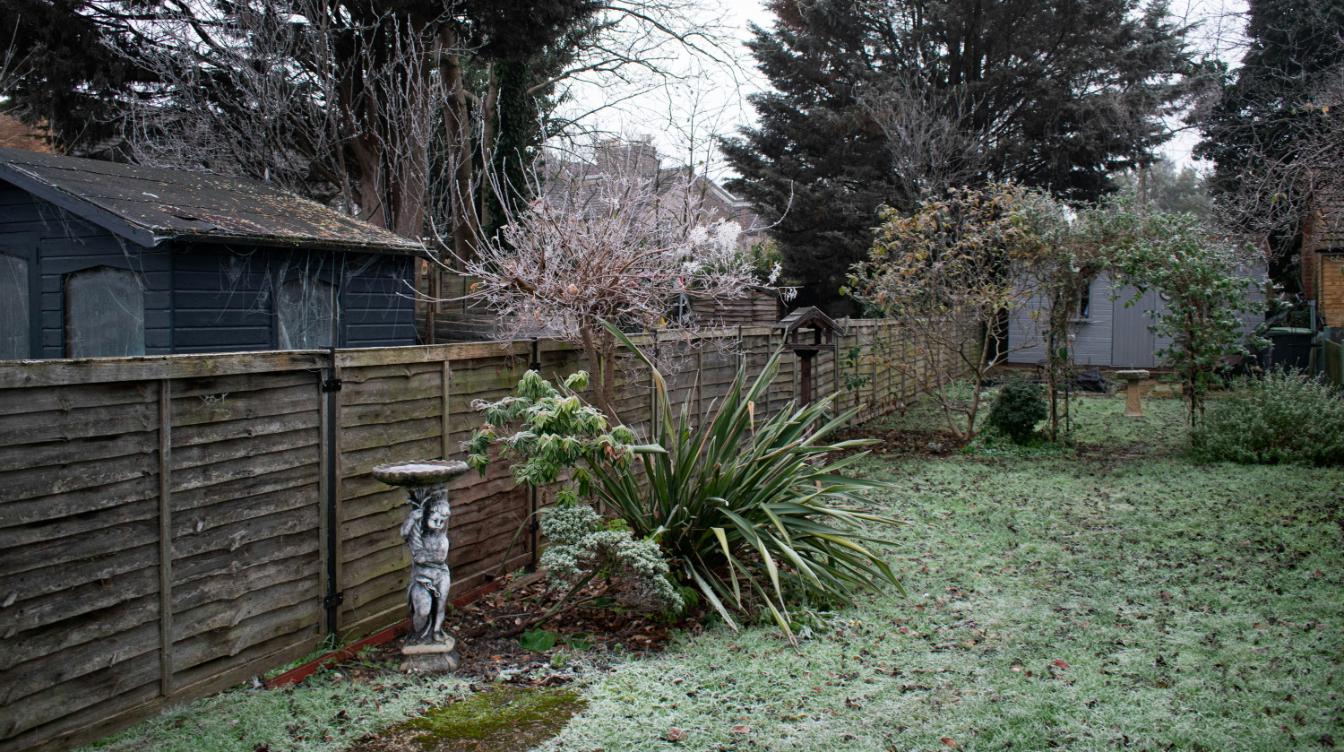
(1117, 331)
(1092, 335)
(225, 297)
(201, 298)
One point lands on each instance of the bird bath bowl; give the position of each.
(1133, 391)
(419, 474)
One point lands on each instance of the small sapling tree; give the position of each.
(1202, 279)
(1062, 274)
(948, 272)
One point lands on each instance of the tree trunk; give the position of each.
(457, 132)
(600, 351)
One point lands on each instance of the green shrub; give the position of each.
(748, 511)
(1284, 417)
(547, 430)
(1019, 406)
(754, 516)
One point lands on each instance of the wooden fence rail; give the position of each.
(173, 525)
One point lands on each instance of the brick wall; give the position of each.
(1331, 297)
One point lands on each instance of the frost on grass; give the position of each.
(325, 714)
(1082, 603)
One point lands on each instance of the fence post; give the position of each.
(699, 382)
(741, 355)
(835, 370)
(165, 538)
(329, 387)
(444, 407)
(533, 502)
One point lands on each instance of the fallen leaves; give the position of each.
(675, 735)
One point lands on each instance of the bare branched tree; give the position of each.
(930, 136)
(611, 245)
(337, 105)
(393, 112)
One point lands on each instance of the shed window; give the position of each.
(104, 313)
(15, 341)
(1085, 301)
(304, 314)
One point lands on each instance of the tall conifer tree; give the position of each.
(1276, 128)
(884, 102)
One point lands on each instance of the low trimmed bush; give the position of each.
(1286, 417)
(1017, 408)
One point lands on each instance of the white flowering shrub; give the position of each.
(616, 249)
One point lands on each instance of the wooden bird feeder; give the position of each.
(808, 331)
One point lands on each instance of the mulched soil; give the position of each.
(490, 650)
(906, 443)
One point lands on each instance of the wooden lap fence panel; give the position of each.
(172, 525)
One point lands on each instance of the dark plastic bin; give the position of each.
(1291, 347)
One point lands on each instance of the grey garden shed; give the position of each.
(1112, 325)
(101, 258)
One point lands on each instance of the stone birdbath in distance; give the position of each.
(428, 647)
(1133, 395)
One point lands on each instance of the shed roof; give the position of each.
(151, 205)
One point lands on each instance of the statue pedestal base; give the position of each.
(431, 658)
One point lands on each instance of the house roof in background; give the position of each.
(1330, 205)
(151, 205)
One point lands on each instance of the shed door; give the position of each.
(1133, 344)
(104, 313)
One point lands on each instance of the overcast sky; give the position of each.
(707, 97)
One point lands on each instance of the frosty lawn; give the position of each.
(1126, 600)
(1121, 598)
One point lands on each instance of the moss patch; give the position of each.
(505, 718)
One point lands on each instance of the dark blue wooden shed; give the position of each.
(101, 258)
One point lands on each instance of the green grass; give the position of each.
(1092, 420)
(1116, 597)
(324, 714)
(1121, 599)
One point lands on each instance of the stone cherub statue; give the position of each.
(426, 533)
